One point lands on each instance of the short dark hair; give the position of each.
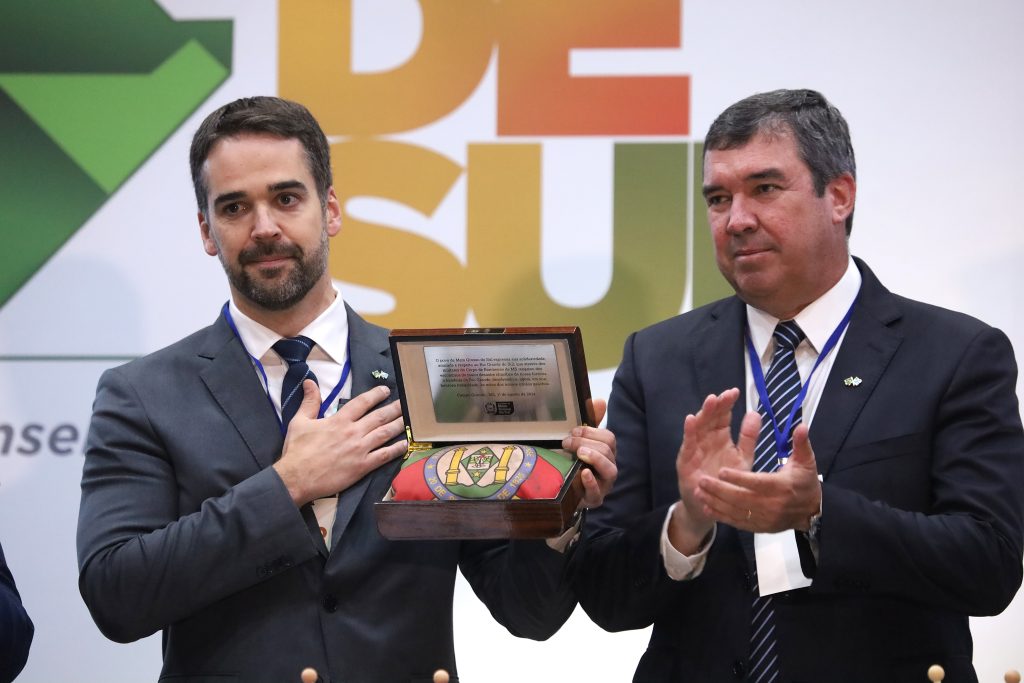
(269, 115)
(820, 131)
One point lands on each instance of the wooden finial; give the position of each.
(441, 676)
(936, 673)
(1012, 676)
(309, 675)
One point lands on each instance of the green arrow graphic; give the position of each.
(136, 111)
(86, 96)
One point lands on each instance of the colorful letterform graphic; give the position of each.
(528, 43)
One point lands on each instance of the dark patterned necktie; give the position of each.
(783, 386)
(294, 351)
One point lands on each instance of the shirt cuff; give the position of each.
(569, 536)
(678, 566)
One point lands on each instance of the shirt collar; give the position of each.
(818, 320)
(329, 331)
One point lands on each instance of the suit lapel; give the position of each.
(368, 350)
(866, 351)
(235, 387)
(719, 358)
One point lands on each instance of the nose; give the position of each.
(264, 226)
(741, 215)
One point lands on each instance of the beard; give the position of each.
(275, 291)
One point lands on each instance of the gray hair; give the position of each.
(820, 131)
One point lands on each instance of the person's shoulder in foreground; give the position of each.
(16, 628)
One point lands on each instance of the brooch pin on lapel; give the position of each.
(852, 381)
(379, 375)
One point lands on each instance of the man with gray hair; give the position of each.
(845, 489)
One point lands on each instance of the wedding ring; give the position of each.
(748, 514)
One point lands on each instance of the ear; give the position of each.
(332, 210)
(206, 232)
(843, 192)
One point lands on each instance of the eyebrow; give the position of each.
(767, 174)
(770, 173)
(229, 197)
(709, 190)
(288, 185)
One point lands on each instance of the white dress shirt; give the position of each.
(329, 332)
(818, 321)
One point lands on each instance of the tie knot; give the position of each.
(788, 335)
(294, 349)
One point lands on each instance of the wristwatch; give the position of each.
(813, 532)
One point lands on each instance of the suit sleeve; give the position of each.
(960, 549)
(144, 563)
(523, 584)
(618, 571)
(16, 628)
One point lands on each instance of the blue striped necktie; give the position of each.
(783, 386)
(294, 351)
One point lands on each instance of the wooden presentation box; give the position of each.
(485, 412)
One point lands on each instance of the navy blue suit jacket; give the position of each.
(15, 627)
(923, 525)
(184, 527)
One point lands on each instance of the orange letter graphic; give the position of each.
(536, 94)
(427, 281)
(315, 66)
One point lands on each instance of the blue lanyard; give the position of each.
(782, 435)
(345, 369)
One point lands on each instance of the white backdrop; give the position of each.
(932, 94)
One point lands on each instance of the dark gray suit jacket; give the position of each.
(185, 527)
(923, 523)
(15, 627)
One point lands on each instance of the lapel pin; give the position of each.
(852, 381)
(379, 374)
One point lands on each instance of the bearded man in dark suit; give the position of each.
(236, 515)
